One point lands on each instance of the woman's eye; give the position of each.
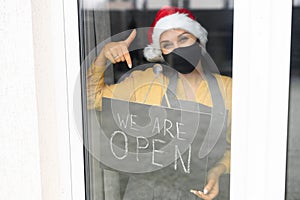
(183, 39)
(167, 46)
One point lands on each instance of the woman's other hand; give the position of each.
(211, 189)
(116, 52)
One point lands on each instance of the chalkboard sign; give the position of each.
(156, 142)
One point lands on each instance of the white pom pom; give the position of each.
(152, 54)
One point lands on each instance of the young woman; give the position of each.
(178, 40)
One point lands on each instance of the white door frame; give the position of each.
(57, 70)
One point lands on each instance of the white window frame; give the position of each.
(260, 28)
(261, 65)
(72, 56)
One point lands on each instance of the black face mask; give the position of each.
(184, 59)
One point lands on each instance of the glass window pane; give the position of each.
(156, 125)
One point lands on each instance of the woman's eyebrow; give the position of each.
(183, 34)
(165, 41)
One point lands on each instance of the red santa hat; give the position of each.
(169, 18)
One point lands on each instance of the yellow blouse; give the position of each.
(149, 88)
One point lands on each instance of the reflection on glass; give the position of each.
(157, 117)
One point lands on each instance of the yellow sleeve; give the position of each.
(94, 83)
(97, 88)
(227, 88)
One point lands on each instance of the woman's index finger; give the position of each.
(130, 38)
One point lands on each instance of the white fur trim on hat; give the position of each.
(152, 54)
(178, 20)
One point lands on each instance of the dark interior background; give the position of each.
(295, 43)
(218, 23)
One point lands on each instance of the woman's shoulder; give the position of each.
(223, 77)
(224, 80)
